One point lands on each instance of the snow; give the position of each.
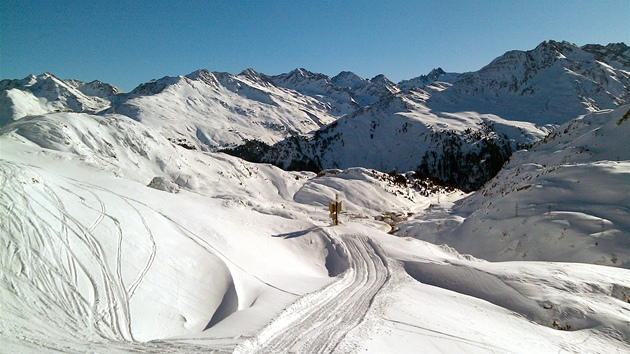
(123, 230)
(243, 257)
(563, 200)
(210, 111)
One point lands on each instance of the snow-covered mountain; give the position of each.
(551, 84)
(434, 75)
(45, 94)
(459, 128)
(399, 133)
(117, 240)
(207, 111)
(566, 199)
(124, 230)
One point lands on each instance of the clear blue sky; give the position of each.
(126, 43)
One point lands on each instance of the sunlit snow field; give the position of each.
(124, 229)
(220, 254)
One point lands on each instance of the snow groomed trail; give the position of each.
(319, 321)
(66, 245)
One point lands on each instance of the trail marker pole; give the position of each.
(335, 209)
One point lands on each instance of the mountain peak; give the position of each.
(158, 85)
(382, 79)
(305, 74)
(249, 72)
(205, 76)
(437, 74)
(562, 47)
(254, 76)
(299, 77)
(348, 79)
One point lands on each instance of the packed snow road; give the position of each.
(319, 321)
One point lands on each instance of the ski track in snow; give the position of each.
(134, 285)
(47, 263)
(121, 299)
(315, 323)
(319, 321)
(57, 255)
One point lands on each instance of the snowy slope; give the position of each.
(45, 93)
(208, 110)
(99, 256)
(566, 199)
(82, 221)
(551, 84)
(128, 261)
(400, 133)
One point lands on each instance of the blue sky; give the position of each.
(126, 43)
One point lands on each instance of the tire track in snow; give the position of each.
(318, 322)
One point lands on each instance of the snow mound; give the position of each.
(164, 184)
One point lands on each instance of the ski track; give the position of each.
(113, 284)
(53, 252)
(319, 321)
(427, 332)
(58, 250)
(190, 235)
(134, 285)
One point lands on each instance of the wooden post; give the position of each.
(335, 208)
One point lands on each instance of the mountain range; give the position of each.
(480, 212)
(457, 127)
